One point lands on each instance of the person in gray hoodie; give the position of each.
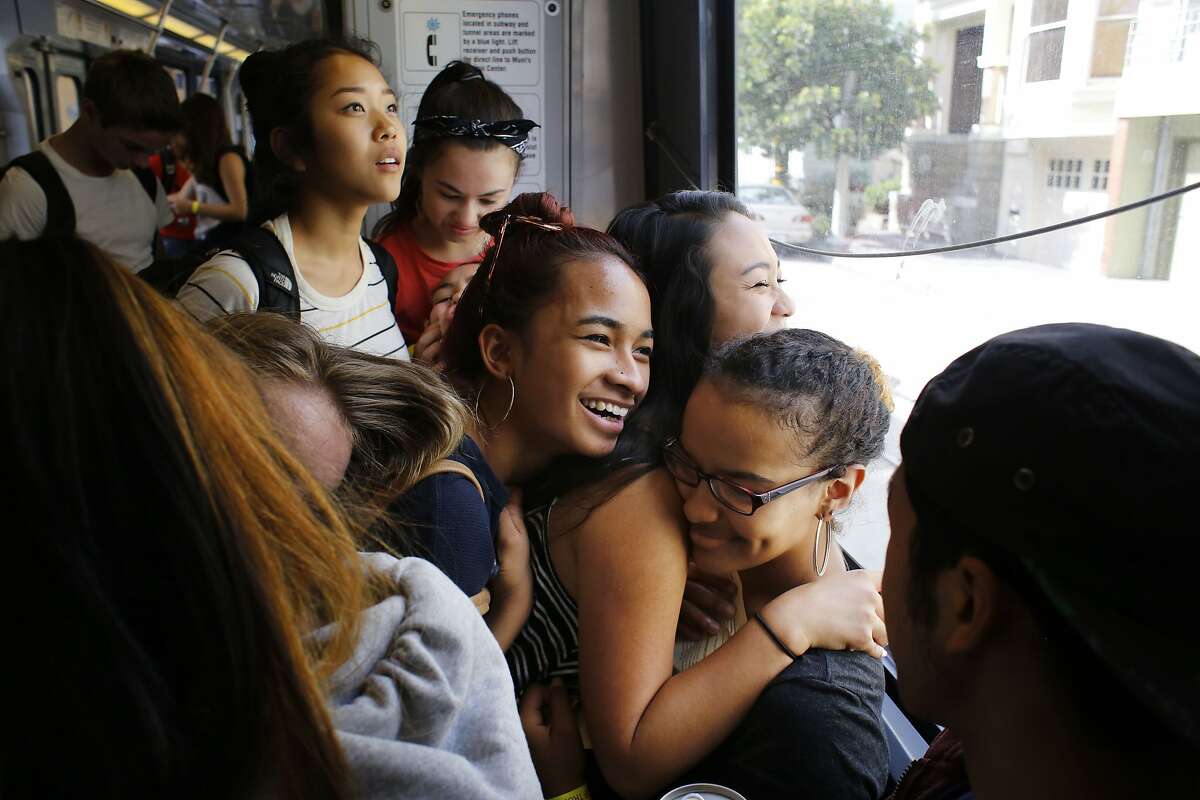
(425, 708)
(173, 563)
(425, 705)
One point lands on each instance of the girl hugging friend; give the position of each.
(610, 538)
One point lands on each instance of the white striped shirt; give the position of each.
(362, 318)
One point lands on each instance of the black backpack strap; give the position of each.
(264, 253)
(60, 211)
(149, 181)
(168, 167)
(387, 266)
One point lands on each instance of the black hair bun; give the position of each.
(460, 71)
(256, 73)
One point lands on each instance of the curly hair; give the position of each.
(833, 397)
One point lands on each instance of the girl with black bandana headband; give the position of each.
(468, 141)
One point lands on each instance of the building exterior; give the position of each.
(952, 157)
(1073, 106)
(1156, 145)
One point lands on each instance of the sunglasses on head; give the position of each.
(537, 222)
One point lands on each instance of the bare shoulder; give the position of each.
(646, 513)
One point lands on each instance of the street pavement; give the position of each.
(917, 314)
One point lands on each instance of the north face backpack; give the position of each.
(268, 261)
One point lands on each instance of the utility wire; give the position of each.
(675, 158)
(1012, 237)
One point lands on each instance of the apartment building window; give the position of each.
(1064, 173)
(1100, 175)
(1114, 18)
(1047, 30)
(967, 82)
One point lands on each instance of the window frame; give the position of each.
(59, 106)
(1130, 21)
(31, 85)
(1045, 27)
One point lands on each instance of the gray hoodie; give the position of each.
(425, 708)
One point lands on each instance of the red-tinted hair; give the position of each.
(508, 290)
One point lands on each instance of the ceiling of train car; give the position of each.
(253, 22)
(270, 21)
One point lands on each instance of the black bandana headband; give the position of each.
(512, 133)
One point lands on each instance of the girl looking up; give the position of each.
(468, 141)
(328, 144)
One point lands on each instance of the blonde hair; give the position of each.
(162, 485)
(402, 416)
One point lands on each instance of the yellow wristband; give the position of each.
(578, 793)
(195, 207)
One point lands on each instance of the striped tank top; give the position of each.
(548, 645)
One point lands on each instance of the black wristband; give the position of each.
(774, 638)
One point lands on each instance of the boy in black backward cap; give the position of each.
(1039, 582)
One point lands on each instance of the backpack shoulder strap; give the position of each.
(149, 181)
(264, 253)
(387, 266)
(168, 168)
(450, 466)
(60, 211)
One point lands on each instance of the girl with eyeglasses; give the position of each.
(776, 439)
(469, 139)
(609, 540)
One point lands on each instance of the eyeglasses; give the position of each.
(493, 256)
(736, 498)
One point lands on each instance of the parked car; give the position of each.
(781, 214)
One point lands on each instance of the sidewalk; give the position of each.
(917, 314)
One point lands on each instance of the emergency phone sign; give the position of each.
(504, 38)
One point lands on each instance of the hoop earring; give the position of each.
(512, 399)
(826, 523)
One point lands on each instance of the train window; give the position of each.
(66, 100)
(212, 88)
(912, 126)
(181, 82)
(33, 103)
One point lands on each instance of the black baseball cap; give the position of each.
(1076, 449)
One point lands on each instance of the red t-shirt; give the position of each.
(180, 227)
(417, 275)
